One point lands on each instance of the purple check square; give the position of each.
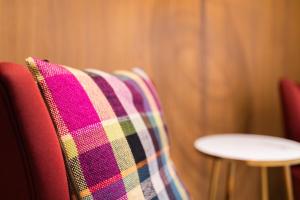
(113, 191)
(98, 164)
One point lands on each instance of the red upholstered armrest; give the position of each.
(32, 165)
(290, 96)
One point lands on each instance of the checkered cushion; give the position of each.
(111, 132)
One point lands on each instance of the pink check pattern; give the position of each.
(111, 132)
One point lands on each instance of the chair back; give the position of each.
(32, 165)
(290, 97)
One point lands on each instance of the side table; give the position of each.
(253, 150)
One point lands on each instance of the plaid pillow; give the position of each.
(111, 132)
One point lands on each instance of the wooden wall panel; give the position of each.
(216, 63)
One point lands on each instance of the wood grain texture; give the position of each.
(216, 63)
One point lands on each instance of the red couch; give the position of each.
(32, 164)
(290, 96)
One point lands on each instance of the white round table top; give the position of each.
(249, 147)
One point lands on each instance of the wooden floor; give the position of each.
(216, 63)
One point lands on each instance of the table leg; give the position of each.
(231, 180)
(214, 179)
(288, 182)
(264, 183)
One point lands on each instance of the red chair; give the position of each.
(32, 164)
(290, 97)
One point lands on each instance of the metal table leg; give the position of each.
(288, 182)
(264, 183)
(214, 179)
(231, 180)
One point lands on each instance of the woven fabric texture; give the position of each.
(111, 132)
